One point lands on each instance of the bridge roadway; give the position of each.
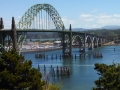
(66, 35)
(59, 31)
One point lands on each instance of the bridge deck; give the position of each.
(39, 30)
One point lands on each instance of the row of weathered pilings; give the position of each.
(55, 71)
(43, 56)
(66, 56)
(53, 56)
(97, 55)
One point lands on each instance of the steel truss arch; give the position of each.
(75, 36)
(26, 20)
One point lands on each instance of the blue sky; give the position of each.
(79, 13)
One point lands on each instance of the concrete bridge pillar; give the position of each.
(84, 43)
(99, 44)
(89, 46)
(95, 45)
(80, 45)
(1, 24)
(63, 43)
(70, 38)
(1, 42)
(14, 35)
(1, 35)
(67, 45)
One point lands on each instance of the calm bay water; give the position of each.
(83, 74)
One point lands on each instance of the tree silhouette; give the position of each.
(109, 77)
(17, 73)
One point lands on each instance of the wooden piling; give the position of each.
(38, 67)
(57, 71)
(52, 57)
(80, 55)
(60, 56)
(56, 56)
(44, 68)
(47, 56)
(75, 56)
(44, 56)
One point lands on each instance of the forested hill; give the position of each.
(108, 33)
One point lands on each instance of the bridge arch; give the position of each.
(99, 41)
(88, 41)
(26, 20)
(94, 40)
(88, 38)
(78, 36)
(75, 36)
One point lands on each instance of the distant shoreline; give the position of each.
(39, 50)
(42, 50)
(53, 49)
(111, 44)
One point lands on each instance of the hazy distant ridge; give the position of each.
(110, 27)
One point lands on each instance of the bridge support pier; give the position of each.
(89, 46)
(95, 45)
(99, 44)
(1, 42)
(67, 45)
(84, 47)
(14, 35)
(70, 38)
(9, 34)
(1, 35)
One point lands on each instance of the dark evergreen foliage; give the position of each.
(108, 34)
(16, 73)
(109, 77)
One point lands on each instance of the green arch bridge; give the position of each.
(45, 18)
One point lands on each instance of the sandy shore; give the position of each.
(110, 43)
(39, 50)
(43, 50)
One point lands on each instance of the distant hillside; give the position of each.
(111, 27)
(78, 29)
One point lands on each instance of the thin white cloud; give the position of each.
(95, 10)
(99, 20)
(116, 15)
(86, 15)
(89, 19)
(67, 22)
(104, 16)
(84, 21)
